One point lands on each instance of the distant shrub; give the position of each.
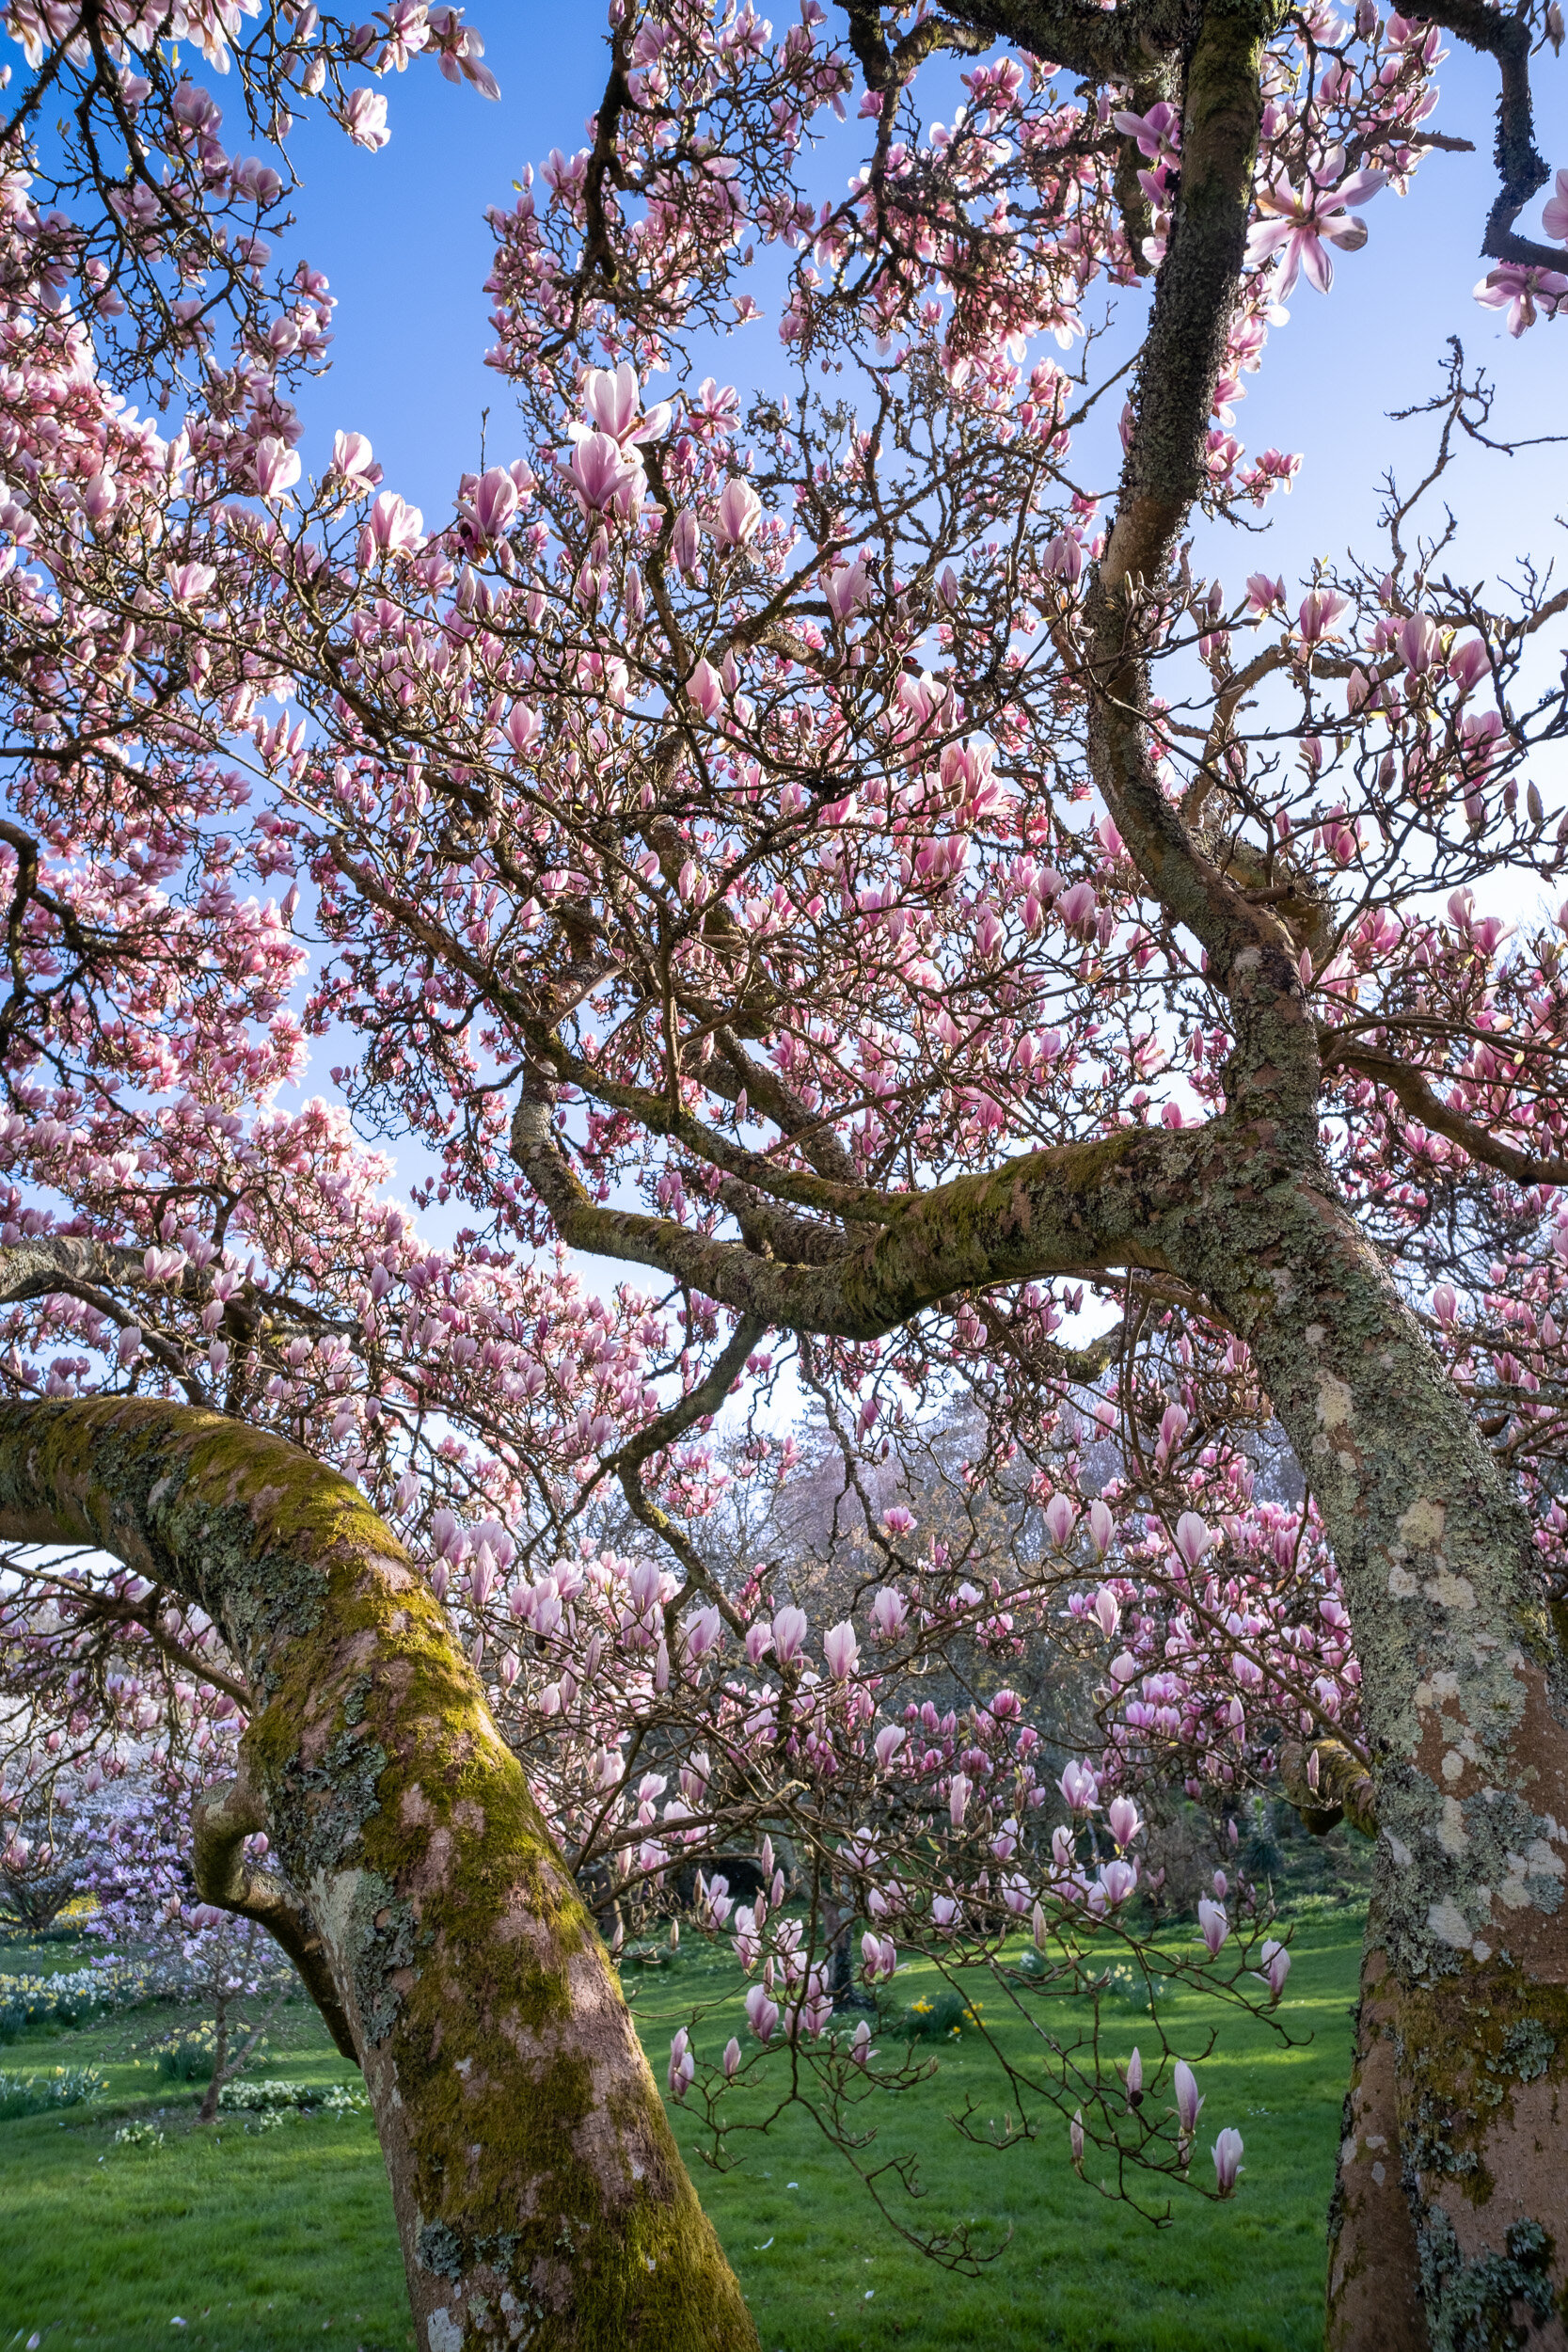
(36, 2094)
(1127, 1987)
(72, 1998)
(276, 2098)
(943, 2019)
(138, 2135)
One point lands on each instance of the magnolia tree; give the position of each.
(146, 1900)
(811, 847)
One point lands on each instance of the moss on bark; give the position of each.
(540, 2195)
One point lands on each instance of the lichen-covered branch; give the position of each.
(1066, 1210)
(539, 2192)
(1327, 1783)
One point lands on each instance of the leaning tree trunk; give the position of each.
(540, 2195)
(1450, 2219)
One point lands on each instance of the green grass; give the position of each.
(266, 2242)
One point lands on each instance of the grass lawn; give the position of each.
(266, 2242)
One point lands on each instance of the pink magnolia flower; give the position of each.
(890, 1614)
(1118, 1878)
(1158, 133)
(1215, 1927)
(1060, 1519)
(731, 2059)
(525, 729)
(1135, 2077)
(958, 1798)
(887, 1743)
(1554, 219)
(739, 512)
(1469, 663)
(705, 689)
(1227, 2159)
(276, 467)
(1101, 1530)
(1078, 907)
(761, 2014)
(684, 544)
(1263, 592)
(1321, 609)
(1420, 646)
(351, 458)
(1080, 1789)
(1124, 1819)
(1075, 2138)
(1189, 2104)
(899, 1521)
(789, 1633)
(704, 1632)
(879, 1958)
(1063, 558)
(682, 2066)
(496, 499)
(598, 470)
(612, 397)
(365, 118)
(1107, 1609)
(394, 528)
(1527, 294)
(1303, 221)
(1276, 1967)
(846, 587)
(841, 1651)
(189, 583)
(1193, 1538)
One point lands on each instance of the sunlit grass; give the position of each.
(275, 2240)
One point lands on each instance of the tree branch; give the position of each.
(1074, 1208)
(220, 1822)
(1415, 1091)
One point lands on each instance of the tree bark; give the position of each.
(539, 2192)
(1463, 2056)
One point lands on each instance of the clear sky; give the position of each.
(403, 237)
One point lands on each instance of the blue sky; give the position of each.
(401, 236)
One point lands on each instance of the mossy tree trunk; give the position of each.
(1451, 2219)
(540, 2195)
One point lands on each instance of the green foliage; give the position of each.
(38, 2094)
(70, 1997)
(1127, 1988)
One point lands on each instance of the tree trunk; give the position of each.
(209, 2107)
(1460, 2100)
(539, 2193)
